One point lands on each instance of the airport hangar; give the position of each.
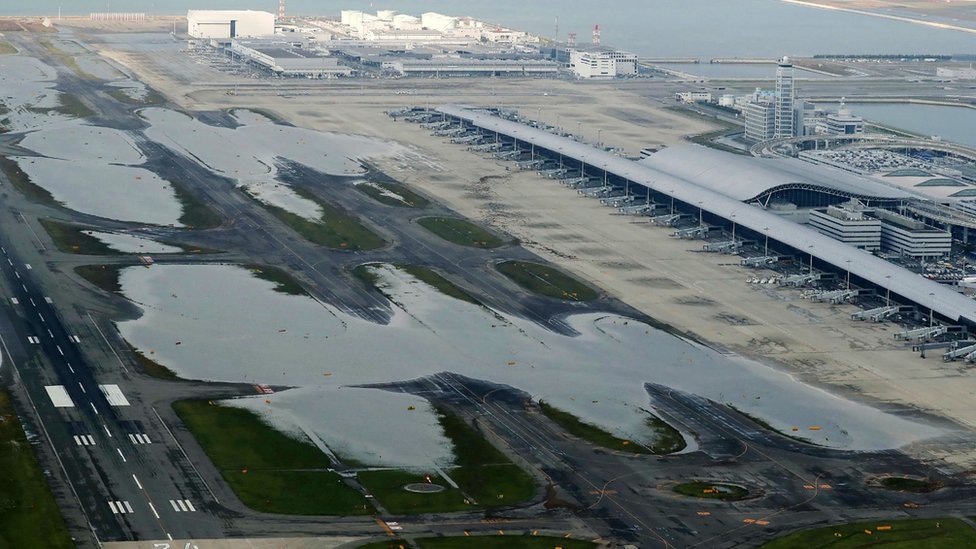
(702, 198)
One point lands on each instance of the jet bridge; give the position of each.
(759, 261)
(836, 296)
(802, 279)
(962, 349)
(701, 231)
(725, 246)
(667, 220)
(617, 201)
(880, 313)
(920, 334)
(595, 192)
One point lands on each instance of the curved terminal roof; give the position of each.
(926, 293)
(747, 178)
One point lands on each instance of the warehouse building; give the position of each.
(227, 24)
(283, 60)
(467, 66)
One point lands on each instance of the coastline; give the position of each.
(903, 19)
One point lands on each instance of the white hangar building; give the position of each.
(226, 24)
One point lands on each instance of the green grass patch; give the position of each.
(903, 534)
(364, 272)
(444, 286)
(336, 229)
(461, 232)
(667, 439)
(151, 98)
(379, 191)
(424, 274)
(196, 214)
(6, 48)
(486, 542)
(105, 277)
(150, 367)
(712, 490)
(284, 282)
(73, 240)
(68, 105)
(29, 515)
(387, 487)
(21, 181)
(483, 471)
(546, 281)
(905, 484)
(268, 470)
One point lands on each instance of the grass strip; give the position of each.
(21, 181)
(667, 439)
(68, 105)
(268, 470)
(424, 274)
(387, 486)
(105, 277)
(487, 542)
(546, 281)
(29, 515)
(711, 490)
(73, 240)
(441, 284)
(461, 232)
(483, 471)
(196, 214)
(947, 533)
(336, 229)
(6, 48)
(284, 282)
(380, 192)
(151, 98)
(150, 366)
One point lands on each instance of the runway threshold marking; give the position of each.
(120, 507)
(84, 440)
(139, 438)
(182, 505)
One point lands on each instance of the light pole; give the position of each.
(887, 290)
(599, 138)
(766, 247)
(557, 122)
(701, 214)
(604, 175)
(579, 131)
(539, 117)
(672, 201)
(848, 274)
(811, 258)
(732, 217)
(932, 309)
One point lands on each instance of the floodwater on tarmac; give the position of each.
(128, 243)
(26, 90)
(251, 153)
(106, 190)
(196, 323)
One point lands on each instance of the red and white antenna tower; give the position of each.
(571, 42)
(596, 34)
(281, 9)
